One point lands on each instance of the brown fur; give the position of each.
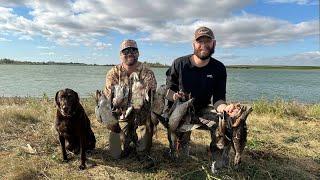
(73, 125)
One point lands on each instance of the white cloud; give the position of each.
(48, 53)
(5, 13)
(14, 3)
(240, 31)
(249, 30)
(83, 22)
(46, 47)
(300, 2)
(311, 58)
(25, 37)
(43, 47)
(4, 40)
(102, 45)
(307, 59)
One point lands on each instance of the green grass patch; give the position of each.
(282, 108)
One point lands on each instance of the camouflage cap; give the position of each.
(203, 31)
(128, 43)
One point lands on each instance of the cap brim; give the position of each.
(203, 36)
(128, 47)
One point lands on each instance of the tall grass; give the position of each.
(282, 108)
(280, 146)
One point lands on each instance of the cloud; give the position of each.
(300, 2)
(48, 53)
(43, 47)
(250, 30)
(83, 22)
(306, 59)
(4, 40)
(311, 58)
(46, 47)
(240, 31)
(17, 25)
(25, 37)
(101, 45)
(14, 3)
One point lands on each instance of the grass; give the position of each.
(275, 67)
(282, 109)
(283, 143)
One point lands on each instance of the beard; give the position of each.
(131, 60)
(203, 55)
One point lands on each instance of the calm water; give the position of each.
(243, 84)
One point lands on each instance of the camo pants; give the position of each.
(137, 129)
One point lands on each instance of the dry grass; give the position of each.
(283, 143)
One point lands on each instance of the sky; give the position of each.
(248, 32)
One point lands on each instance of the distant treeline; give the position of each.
(10, 61)
(271, 67)
(157, 65)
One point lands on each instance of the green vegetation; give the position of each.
(283, 143)
(156, 65)
(9, 61)
(159, 65)
(282, 109)
(274, 67)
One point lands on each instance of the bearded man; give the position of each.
(201, 76)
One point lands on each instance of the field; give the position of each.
(283, 143)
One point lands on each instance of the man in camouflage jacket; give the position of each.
(137, 128)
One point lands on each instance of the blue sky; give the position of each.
(267, 32)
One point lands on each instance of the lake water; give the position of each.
(242, 85)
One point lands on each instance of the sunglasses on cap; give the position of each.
(128, 51)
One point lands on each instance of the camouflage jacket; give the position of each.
(118, 75)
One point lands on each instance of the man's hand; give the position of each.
(231, 109)
(177, 95)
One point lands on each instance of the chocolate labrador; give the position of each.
(73, 125)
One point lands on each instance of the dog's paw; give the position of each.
(82, 167)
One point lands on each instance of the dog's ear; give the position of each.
(56, 100)
(77, 97)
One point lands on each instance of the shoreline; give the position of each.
(6, 61)
(167, 66)
(92, 96)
